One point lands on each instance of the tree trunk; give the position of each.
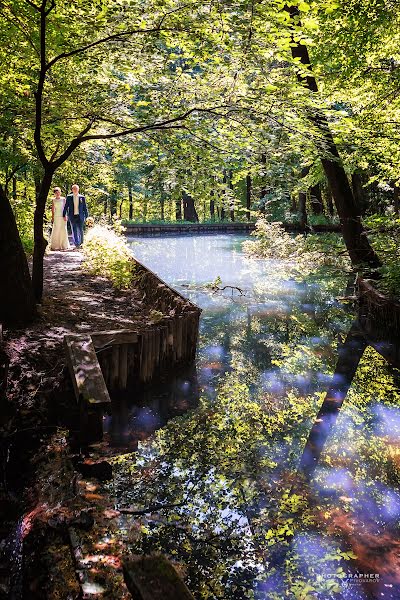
(263, 191)
(178, 209)
(17, 302)
(162, 207)
(303, 209)
(359, 192)
(329, 201)
(396, 199)
(317, 206)
(303, 200)
(113, 203)
(105, 205)
(212, 206)
(248, 196)
(354, 235)
(350, 354)
(130, 195)
(189, 209)
(231, 199)
(223, 197)
(42, 191)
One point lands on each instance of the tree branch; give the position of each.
(51, 7)
(167, 124)
(13, 172)
(16, 21)
(117, 37)
(33, 5)
(73, 145)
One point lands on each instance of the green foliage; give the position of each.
(246, 113)
(106, 253)
(272, 241)
(384, 232)
(304, 254)
(23, 211)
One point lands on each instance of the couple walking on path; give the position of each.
(72, 208)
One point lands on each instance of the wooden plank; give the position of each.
(143, 356)
(110, 338)
(123, 367)
(114, 367)
(178, 338)
(87, 378)
(150, 352)
(104, 360)
(132, 359)
(154, 578)
(157, 333)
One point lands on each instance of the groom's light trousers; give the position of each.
(77, 230)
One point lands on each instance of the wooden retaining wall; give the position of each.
(129, 357)
(104, 362)
(379, 317)
(148, 228)
(176, 228)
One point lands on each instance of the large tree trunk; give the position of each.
(354, 235)
(17, 302)
(329, 201)
(42, 192)
(317, 206)
(248, 196)
(130, 202)
(189, 209)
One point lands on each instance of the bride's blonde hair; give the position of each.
(57, 189)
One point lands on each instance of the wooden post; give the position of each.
(123, 366)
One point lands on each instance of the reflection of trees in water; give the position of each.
(238, 516)
(230, 469)
(349, 356)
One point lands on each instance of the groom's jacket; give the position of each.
(69, 207)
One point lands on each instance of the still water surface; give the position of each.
(229, 501)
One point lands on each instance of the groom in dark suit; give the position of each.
(76, 210)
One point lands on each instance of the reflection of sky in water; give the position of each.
(246, 323)
(387, 421)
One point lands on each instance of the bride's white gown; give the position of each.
(59, 235)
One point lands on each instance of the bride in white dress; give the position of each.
(59, 234)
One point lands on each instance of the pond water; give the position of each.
(236, 495)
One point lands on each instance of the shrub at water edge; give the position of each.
(106, 253)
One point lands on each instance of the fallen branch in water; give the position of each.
(231, 287)
(149, 509)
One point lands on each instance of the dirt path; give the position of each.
(32, 465)
(73, 302)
